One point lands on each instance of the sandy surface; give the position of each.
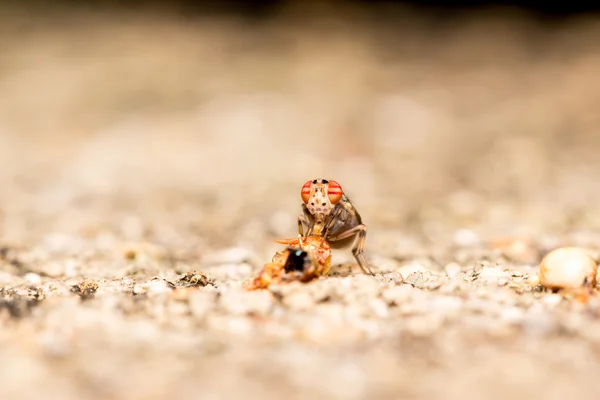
(148, 162)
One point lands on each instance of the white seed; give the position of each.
(567, 267)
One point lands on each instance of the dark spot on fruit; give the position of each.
(296, 260)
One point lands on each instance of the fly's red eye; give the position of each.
(306, 191)
(334, 192)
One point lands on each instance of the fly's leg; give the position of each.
(329, 224)
(301, 221)
(301, 242)
(301, 226)
(301, 236)
(357, 249)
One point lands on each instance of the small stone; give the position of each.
(452, 270)
(397, 294)
(552, 300)
(154, 286)
(159, 286)
(492, 274)
(533, 280)
(85, 289)
(433, 285)
(193, 278)
(416, 279)
(32, 278)
(568, 267)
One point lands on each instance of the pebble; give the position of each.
(416, 279)
(398, 294)
(158, 286)
(32, 278)
(432, 285)
(492, 275)
(533, 280)
(567, 267)
(452, 270)
(451, 286)
(552, 300)
(503, 281)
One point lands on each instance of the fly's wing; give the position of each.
(342, 218)
(309, 218)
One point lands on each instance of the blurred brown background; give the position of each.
(184, 129)
(203, 121)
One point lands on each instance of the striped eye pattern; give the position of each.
(334, 192)
(306, 191)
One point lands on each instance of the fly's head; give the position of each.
(321, 196)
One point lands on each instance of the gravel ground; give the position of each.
(148, 162)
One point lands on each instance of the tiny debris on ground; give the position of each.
(85, 289)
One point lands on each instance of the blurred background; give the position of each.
(149, 138)
(196, 123)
